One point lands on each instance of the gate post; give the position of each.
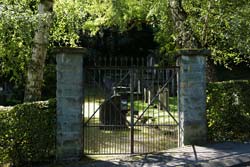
(69, 96)
(192, 96)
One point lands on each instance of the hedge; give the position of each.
(27, 133)
(228, 111)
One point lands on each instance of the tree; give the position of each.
(219, 25)
(41, 41)
(185, 37)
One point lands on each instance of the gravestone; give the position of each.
(164, 99)
(111, 114)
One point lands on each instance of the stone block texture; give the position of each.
(69, 96)
(192, 97)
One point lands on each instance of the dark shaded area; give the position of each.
(111, 114)
(10, 92)
(49, 77)
(136, 42)
(237, 72)
(111, 47)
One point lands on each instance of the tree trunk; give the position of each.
(36, 66)
(185, 37)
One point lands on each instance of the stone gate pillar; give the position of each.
(69, 95)
(192, 96)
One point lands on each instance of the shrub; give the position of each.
(27, 133)
(228, 111)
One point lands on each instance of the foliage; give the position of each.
(220, 25)
(228, 111)
(27, 133)
(16, 33)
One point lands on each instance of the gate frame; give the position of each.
(69, 97)
(132, 123)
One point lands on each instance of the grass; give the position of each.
(146, 139)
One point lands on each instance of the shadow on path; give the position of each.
(221, 154)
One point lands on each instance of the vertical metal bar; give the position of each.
(178, 107)
(99, 103)
(143, 102)
(148, 102)
(83, 108)
(173, 83)
(88, 106)
(115, 61)
(132, 111)
(119, 72)
(111, 61)
(110, 128)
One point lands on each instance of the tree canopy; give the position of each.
(219, 25)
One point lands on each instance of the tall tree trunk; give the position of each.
(185, 37)
(36, 66)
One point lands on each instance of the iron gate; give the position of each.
(130, 110)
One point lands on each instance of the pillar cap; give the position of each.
(78, 50)
(193, 52)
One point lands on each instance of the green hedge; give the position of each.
(27, 133)
(228, 111)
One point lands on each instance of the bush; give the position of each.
(228, 111)
(27, 133)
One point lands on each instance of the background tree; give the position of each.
(17, 22)
(221, 25)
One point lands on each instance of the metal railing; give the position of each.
(129, 109)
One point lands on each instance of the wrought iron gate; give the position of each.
(130, 110)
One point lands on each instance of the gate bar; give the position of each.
(132, 110)
(157, 95)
